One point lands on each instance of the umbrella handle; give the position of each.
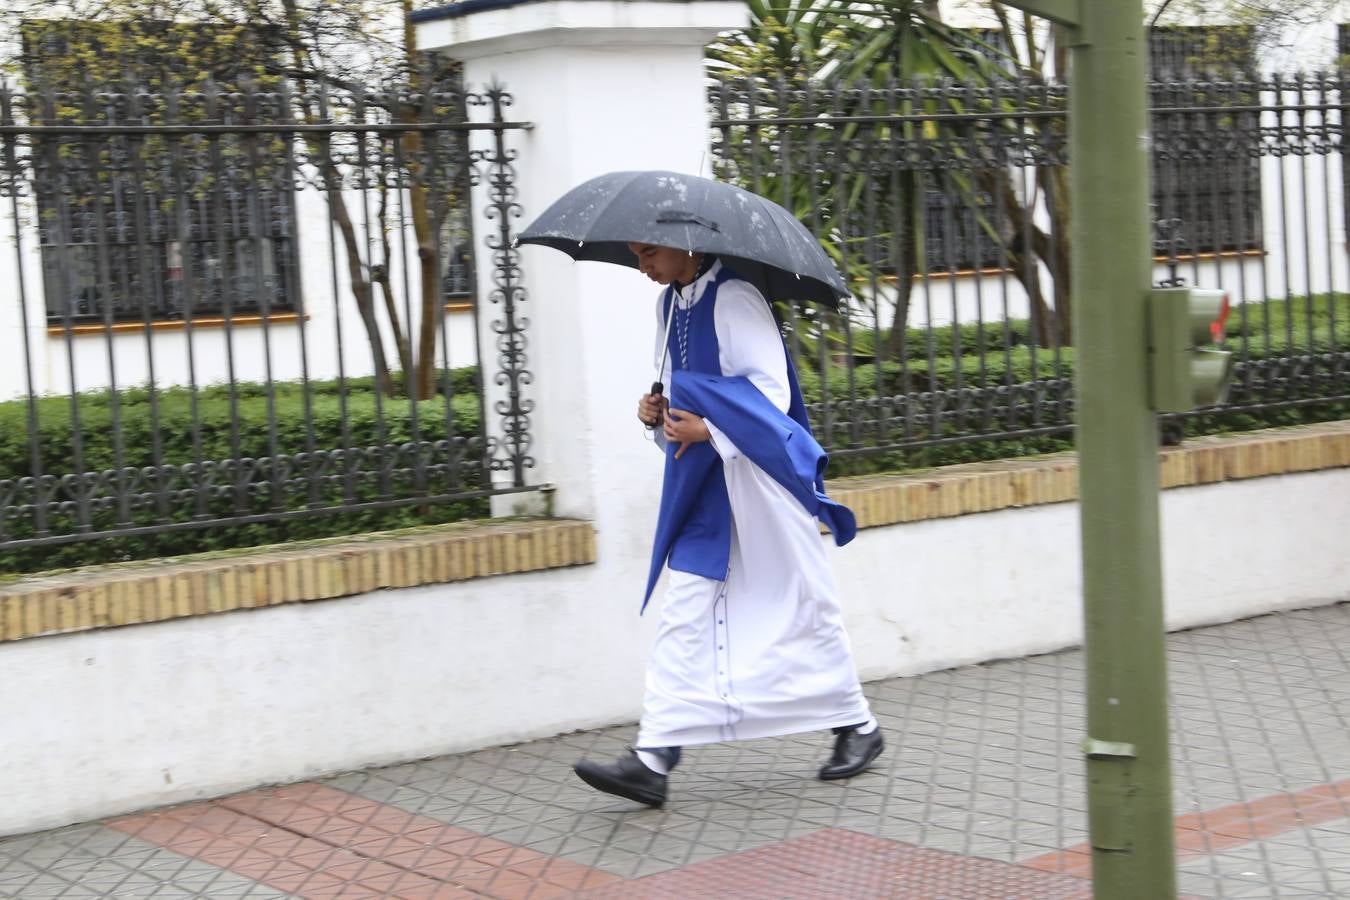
(658, 389)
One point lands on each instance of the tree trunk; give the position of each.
(383, 275)
(425, 232)
(1025, 245)
(905, 269)
(361, 286)
(362, 289)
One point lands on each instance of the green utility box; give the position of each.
(1184, 373)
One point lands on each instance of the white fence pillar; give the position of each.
(607, 86)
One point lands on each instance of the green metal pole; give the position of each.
(1128, 766)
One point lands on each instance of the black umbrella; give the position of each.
(760, 240)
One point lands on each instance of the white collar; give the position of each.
(693, 292)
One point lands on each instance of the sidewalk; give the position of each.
(978, 796)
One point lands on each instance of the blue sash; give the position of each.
(693, 528)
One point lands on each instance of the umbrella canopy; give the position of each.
(756, 237)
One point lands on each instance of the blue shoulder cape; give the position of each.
(778, 443)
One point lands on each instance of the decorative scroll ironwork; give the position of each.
(217, 213)
(511, 449)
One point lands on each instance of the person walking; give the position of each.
(751, 642)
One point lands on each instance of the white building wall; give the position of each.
(940, 301)
(1303, 211)
(20, 290)
(287, 348)
(104, 722)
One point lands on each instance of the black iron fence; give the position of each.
(215, 299)
(226, 309)
(947, 207)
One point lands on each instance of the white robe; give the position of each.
(763, 653)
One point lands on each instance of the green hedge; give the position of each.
(1277, 328)
(218, 432)
(1293, 326)
(1297, 325)
(1302, 321)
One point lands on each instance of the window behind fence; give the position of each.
(1206, 179)
(1206, 190)
(954, 240)
(134, 227)
(108, 251)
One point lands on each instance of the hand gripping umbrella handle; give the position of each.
(658, 389)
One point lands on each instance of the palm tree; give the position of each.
(869, 57)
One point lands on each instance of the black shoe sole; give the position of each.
(856, 770)
(600, 782)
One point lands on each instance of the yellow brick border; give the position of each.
(156, 591)
(159, 590)
(1008, 484)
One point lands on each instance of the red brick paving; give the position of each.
(288, 862)
(319, 842)
(833, 863)
(316, 842)
(1227, 827)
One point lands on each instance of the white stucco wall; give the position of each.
(127, 358)
(20, 292)
(105, 722)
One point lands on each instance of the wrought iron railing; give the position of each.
(946, 206)
(218, 301)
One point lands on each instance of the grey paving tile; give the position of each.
(82, 892)
(17, 887)
(981, 760)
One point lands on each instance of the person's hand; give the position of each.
(685, 428)
(650, 409)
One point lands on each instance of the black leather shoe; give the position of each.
(853, 753)
(627, 778)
